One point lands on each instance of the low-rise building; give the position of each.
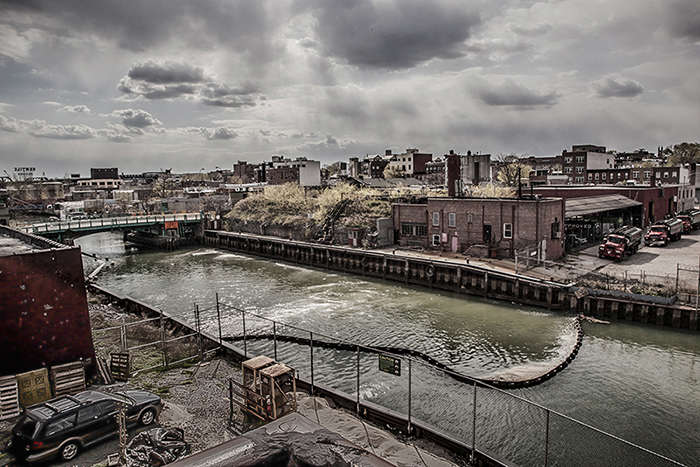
(410, 163)
(301, 170)
(482, 226)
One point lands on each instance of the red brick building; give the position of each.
(488, 226)
(44, 317)
(284, 174)
(658, 202)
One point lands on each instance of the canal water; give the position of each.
(637, 382)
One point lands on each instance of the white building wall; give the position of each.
(309, 173)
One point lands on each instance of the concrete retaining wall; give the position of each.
(448, 276)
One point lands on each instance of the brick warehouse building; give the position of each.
(43, 304)
(658, 202)
(493, 227)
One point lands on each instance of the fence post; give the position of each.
(123, 338)
(199, 334)
(410, 428)
(357, 402)
(162, 340)
(218, 318)
(546, 440)
(473, 457)
(274, 337)
(245, 343)
(311, 347)
(230, 402)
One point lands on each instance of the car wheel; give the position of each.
(69, 451)
(147, 417)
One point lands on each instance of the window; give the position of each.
(602, 176)
(665, 174)
(579, 170)
(647, 174)
(555, 228)
(421, 230)
(567, 170)
(579, 179)
(635, 174)
(406, 229)
(436, 219)
(61, 424)
(580, 159)
(590, 176)
(469, 218)
(596, 176)
(507, 230)
(567, 160)
(436, 240)
(451, 219)
(88, 413)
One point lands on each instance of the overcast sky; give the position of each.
(191, 84)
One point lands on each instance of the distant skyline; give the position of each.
(184, 85)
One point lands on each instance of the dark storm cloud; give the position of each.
(136, 118)
(137, 25)
(166, 73)
(170, 80)
(685, 19)
(611, 87)
(393, 34)
(511, 94)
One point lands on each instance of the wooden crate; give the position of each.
(9, 397)
(68, 378)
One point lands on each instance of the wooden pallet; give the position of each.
(9, 397)
(68, 378)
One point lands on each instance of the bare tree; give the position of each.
(511, 169)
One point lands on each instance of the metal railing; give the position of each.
(497, 423)
(108, 222)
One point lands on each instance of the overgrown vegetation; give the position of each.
(290, 205)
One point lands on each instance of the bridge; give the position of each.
(78, 228)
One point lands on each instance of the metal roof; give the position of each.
(576, 207)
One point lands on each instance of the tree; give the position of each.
(490, 190)
(391, 171)
(163, 186)
(510, 169)
(684, 153)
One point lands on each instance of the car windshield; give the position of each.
(657, 229)
(123, 398)
(616, 240)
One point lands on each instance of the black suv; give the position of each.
(63, 426)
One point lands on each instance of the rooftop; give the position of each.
(13, 246)
(576, 207)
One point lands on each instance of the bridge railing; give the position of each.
(107, 222)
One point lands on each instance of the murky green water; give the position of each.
(638, 382)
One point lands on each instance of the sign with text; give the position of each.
(170, 225)
(34, 387)
(119, 366)
(389, 364)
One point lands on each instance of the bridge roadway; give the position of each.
(109, 223)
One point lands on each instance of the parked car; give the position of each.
(664, 232)
(62, 427)
(620, 242)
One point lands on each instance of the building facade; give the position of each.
(104, 172)
(412, 162)
(582, 158)
(482, 226)
(463, 170)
